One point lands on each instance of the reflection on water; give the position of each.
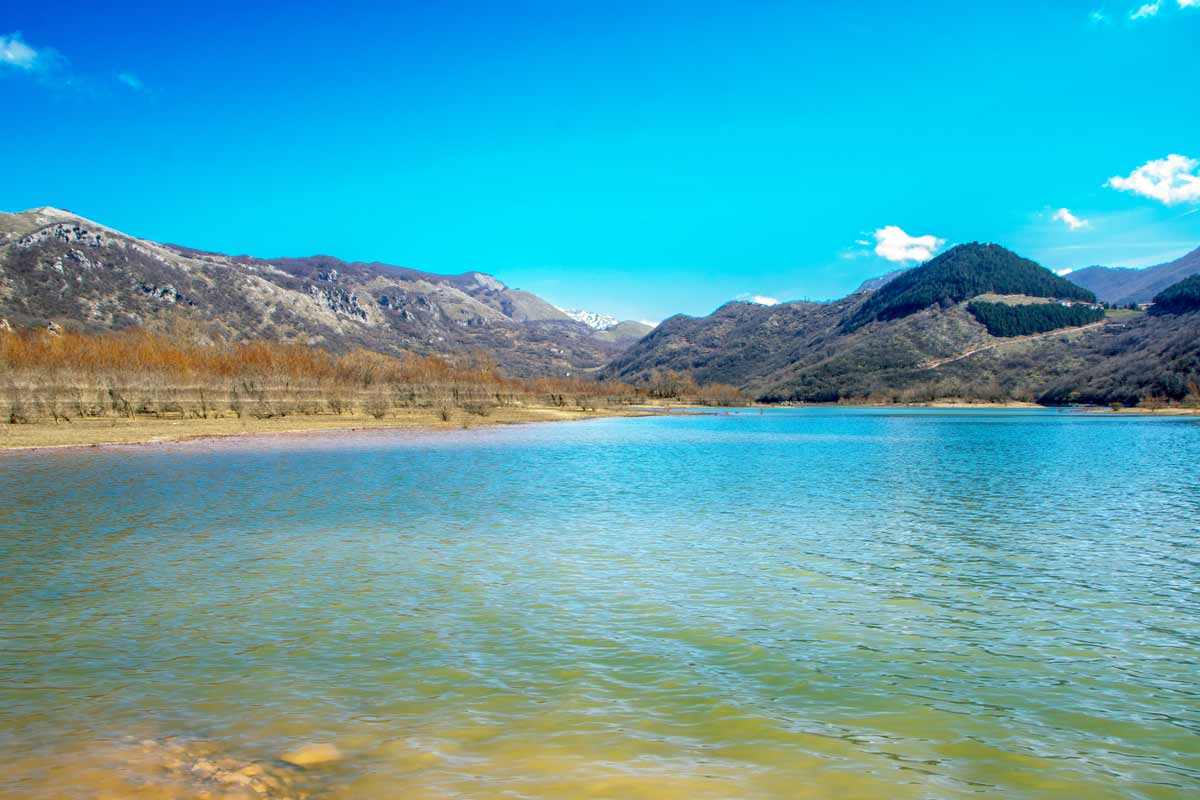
(808, 603)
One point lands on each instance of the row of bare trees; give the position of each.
(667, 384)
(64, 376)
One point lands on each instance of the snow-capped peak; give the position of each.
(599, 322)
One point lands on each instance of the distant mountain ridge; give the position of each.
(875, 284)
(1123, 286)
(58, 267)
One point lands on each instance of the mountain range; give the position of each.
(57, 267)
(1124, 286)
(976, 322)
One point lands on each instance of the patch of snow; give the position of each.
(595, 321)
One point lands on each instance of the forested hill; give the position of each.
(959, 274)
(1181, 298)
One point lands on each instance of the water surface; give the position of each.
(796, 604)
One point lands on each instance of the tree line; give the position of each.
(1004, 320)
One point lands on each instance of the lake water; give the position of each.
(796, 604)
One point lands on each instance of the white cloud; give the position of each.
(1146, 11)
(892, 243)
(1073, 222)
(1066, 271)
(131, 80)
(1098, 18)
(1169, 180)
(15, 53)
(1189, 3)
(758, 299)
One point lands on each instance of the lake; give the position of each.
(801, 603)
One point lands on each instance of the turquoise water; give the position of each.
(802, 603)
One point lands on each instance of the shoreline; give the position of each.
(1139, 412)
(929, 404)
(139, 431)
(1165, 411)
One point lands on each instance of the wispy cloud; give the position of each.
(131, 80)
(48, 67)
(17, 54)
(1171, 180)
(1152, 9)
(1140, 13)
(1147, 10)
(893, 244)
(1073, 222)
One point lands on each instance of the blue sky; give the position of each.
(637, 158)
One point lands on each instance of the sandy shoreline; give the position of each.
(148, 430)
(1140, 412)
